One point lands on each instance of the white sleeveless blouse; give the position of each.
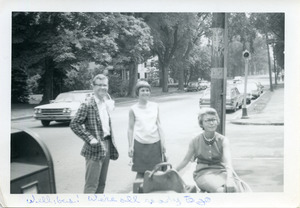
(145, 126)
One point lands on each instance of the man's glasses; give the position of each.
(210, 120)
(99, 85)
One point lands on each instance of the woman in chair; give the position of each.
(211, 150)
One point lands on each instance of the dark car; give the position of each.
(234, 99)
(192, 87)
(203, 85)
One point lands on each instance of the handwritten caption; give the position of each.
(113, 199)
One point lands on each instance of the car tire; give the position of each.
(240, 107)
(236, 107)
(45, 123)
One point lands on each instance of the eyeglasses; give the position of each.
(210, 120)
(100, 85)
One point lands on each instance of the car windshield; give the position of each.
(252, 86)
(71, 97)
(229, 93)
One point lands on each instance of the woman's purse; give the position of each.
(169, 180)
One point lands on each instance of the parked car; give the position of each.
(261, 87)
(63, 108)
(234, 99)
(241, 88)
(255, 90)
(192, 87)
(203, 85)
(237, 80)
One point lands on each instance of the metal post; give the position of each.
(244, 108)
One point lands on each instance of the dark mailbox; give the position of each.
(31, 169)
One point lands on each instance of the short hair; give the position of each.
(207, 111)
(100, 77)
(141, 84)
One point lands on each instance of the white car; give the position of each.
(237, 80)
(63, 108)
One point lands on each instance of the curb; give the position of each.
(257, 123)
(21, 118)
(252, 121)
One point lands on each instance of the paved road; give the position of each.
(251, 148)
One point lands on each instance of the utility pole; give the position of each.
(218, 70)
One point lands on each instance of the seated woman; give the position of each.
(211, 150)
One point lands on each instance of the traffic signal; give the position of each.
(246, 54)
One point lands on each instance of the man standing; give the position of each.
(93, 125)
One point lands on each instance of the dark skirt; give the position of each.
(146, 156)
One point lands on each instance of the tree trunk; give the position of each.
(133, 71)
(269, 62)
(48, 77)
(165, 72)
(181, 78)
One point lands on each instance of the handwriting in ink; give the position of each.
(47, 200)
(128, 199)
(100, 198)
(199, 201)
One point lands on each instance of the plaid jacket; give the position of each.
(87, 125)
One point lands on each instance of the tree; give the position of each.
(58, 44)
(240, 25)
(271, 25)
(40, 41)
(276, 22)
(259, 58)
(235, 58)
(134, 42)
(200, 64)
(19, 92)
(170, 33)
(198, 26)
(241, 35)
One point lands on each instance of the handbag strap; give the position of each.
(241, 181)
(158, 166)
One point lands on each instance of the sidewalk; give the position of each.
(266, 110)
(254, 159)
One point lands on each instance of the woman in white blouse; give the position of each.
(145, 136)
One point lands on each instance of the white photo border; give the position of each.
(291, 195)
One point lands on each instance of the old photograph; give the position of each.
(114, 107)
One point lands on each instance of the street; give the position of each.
(250, 147)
